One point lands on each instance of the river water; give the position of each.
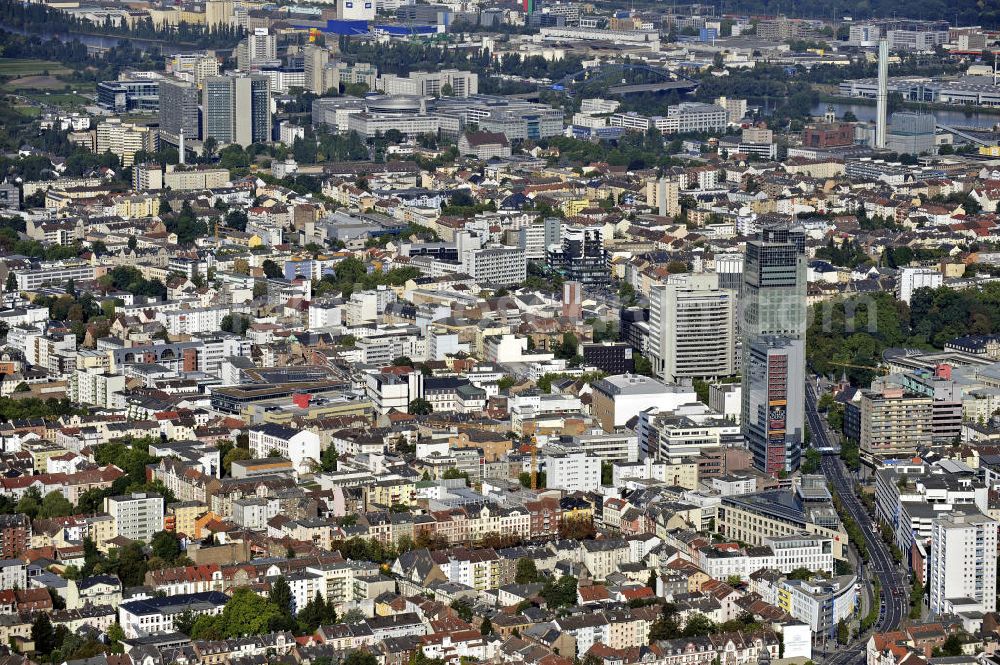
(957, 118)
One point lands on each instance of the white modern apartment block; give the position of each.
(964, 562)
(57, 273)
(911, 279)
(13, 574)
(618, 447)
(153, 616)
(137, 516)
(723, 564)
(299, 446)
(692, 327)
(814, 553)
(571, 468)
(502, 266)
(123, 139)
(195, 320)
(820, 602)
(95, 385)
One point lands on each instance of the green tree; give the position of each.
(666, 626)
(526, 571)
(642, 365)
(420, 407)
(843, 632)
(11, 284)
(132, 565)
(280, 595)
(116, 635)
(560, 593)
(165, 546)
(30, 503)
(55, 505)
(698, 624)
(316, 613)
(486, 627)
(568, 346)
(359, 657)
(351, 270)
(271, 269)
(952, 645)
(235, 455)
(43, 635)
(462, 609)
(246, 613)
(811, 462)
(328, 458)
(402, 361)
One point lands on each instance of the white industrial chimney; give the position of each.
(882, 98)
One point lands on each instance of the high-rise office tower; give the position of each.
(314, 63)
(237, 109)
(692, 328)
(257, 48)
(179, 110)
(773, 327)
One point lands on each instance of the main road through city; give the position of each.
(879, 561)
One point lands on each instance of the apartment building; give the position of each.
(570, 468)
(15, 535)
(299, 446)
(95, 385)
(911, 279)
(35, 275)
(155, 616)
(894, 423)
(964, 564)
(124, 139)
(137, 516)
(820, 602)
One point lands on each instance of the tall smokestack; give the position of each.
(180, 146)
(882, 99)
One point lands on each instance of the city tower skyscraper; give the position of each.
(237, 109)
(773, 327)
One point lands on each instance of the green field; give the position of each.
(66, 99)
(28, 67)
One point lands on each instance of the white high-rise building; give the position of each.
(911, 279)
(963, 563)
(569, 467)
(259, 47)
(137, 516)
(692, 327)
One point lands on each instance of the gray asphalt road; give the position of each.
(879, 561)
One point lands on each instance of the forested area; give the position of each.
(835, 343)
(45, 20)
